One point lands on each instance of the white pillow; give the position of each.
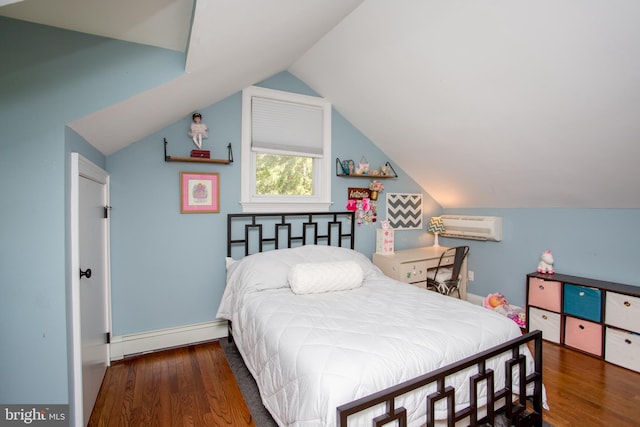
(270, 269)
(229, 261)
(318, 277)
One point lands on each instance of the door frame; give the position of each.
(82, 167)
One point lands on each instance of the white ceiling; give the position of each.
(485, 103)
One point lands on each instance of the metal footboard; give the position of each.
(515, 410)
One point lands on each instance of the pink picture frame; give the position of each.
(199, 192)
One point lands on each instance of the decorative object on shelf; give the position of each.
(375, 187)
(199, 192)
(384, 239)
(404, 211)
(198, 130)
(198, 159)
(545, 265)
(360, 203)
(436, 227)
(363, 166)
(348, 169)
(201, 154)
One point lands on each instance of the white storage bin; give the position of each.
(546, 321)
(622, 348)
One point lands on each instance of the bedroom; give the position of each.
(69, 76)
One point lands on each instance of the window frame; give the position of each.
(320, 201)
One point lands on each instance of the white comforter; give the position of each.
(312, 353)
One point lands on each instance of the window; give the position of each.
(286, 151)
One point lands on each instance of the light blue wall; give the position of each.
(168, 268)
(601, 244)
(49, 77)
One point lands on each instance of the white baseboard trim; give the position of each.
(475, 299)
(144, 342)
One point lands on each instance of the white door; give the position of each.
(93, 290)
(89, 283)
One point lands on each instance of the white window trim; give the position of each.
(321, 201)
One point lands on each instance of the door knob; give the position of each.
(86, 273)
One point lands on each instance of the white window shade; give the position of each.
(281, 127)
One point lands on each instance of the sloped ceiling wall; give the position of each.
(494, 103)
(487, 103)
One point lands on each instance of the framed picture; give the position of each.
(199, 192)
(404, 211)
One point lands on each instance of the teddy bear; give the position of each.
(545, 265)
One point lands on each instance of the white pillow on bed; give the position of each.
(270, 269)
(318, 277)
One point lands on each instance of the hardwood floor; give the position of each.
(194, 386)
(187, 386)
(583, 391)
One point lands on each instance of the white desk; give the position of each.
(411, 265)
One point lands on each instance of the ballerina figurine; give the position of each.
(198, 130)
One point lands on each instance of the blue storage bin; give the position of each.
(583, 302)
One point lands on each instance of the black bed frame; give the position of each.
(517, 412)
(286, 230)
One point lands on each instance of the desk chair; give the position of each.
(446, 279)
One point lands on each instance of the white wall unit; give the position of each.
(473, 227)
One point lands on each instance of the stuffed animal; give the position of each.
(519, 317)
(545, 265)
(498, 303)
(494, 300)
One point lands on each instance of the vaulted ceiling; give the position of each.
(485, 103)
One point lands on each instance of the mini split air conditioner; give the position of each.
(473, 227)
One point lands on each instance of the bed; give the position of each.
(330, 340)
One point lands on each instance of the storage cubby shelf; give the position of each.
(198, 159)
(596, 317)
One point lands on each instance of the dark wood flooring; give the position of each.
(584, 391)
(187, 386)
(194, 386)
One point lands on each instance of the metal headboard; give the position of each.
(257, 232)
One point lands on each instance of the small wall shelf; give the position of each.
(198, 159)
(340, 172)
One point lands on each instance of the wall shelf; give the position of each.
(340, 172)
(226, 161)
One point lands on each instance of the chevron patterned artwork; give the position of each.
(404, 211)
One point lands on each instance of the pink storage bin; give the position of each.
(583, 335)
(545, 294)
